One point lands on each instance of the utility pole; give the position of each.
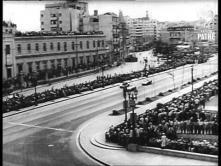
(145, 67)
(6, 61)
(192, 77)
(124, 31)
(76, 53)
(96, 52)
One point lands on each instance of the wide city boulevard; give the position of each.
(46, 135)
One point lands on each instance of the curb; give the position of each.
(178, 153)
(100, 144)
(85, 151)
(95, 143)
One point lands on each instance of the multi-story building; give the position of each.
(124, 36)
(142, 30)
(63, 16)
(213, 25)
(113, 27)
(178, 34)
(91, 22)
(36, 53)
(8, 51)
(109, 25)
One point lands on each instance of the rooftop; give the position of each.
(8, 24)
(33, 33)
(65, 4)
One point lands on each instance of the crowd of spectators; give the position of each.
(13, 84)
(17, 101)
(184, 114)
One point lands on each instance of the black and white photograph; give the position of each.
(110, 83)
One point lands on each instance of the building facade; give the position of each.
(114, 28)
(36, 53)
(91, 23)
(142, 31)
(178, 34)
(109, 25)
(8, 51)
(63, 16)
(124, 37)
(213, 26)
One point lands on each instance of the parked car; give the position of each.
(124, 83)
(147, 82)
(131, 58)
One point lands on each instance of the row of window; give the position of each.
(59, 64)
(8, 31)
(100, 43)
(53, 15)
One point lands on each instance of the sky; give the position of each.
(27, 14)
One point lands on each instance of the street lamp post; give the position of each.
(34, 81)
(102, 70)
(192, 77)
(125, 102)
(132, 102)
(145, 67)
(76, 52)
(172, 75)
(196, 61)
(21, 79)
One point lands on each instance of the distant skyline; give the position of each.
(26, 14)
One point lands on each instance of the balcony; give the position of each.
(53, 25)
(54, 18)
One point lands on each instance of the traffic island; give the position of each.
(192, 147)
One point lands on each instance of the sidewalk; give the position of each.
(91, 136)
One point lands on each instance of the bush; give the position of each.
(161, 94)
(148, 99)
(140, 103)
(115, 112)
(160, 105)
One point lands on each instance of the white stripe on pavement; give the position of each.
(41, 127)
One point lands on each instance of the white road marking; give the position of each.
(41, 127)
(50, 145)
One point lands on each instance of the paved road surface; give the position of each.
(42, 137)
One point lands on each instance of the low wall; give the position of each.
(199, 136)
(176, 153)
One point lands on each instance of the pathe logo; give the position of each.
(206, 35)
